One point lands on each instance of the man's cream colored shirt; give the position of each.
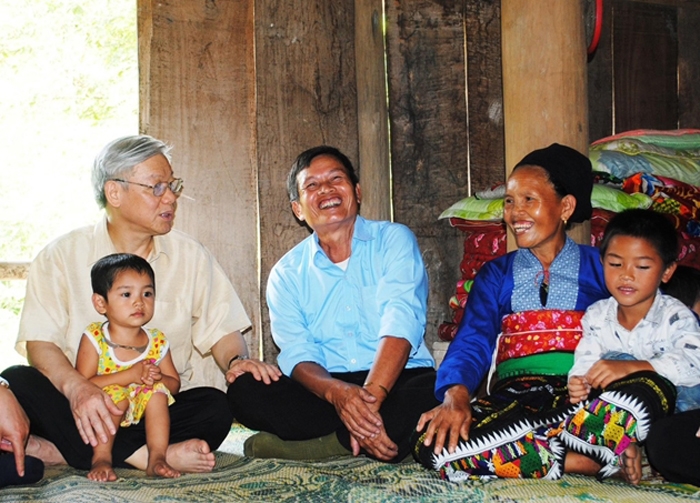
(196, 304)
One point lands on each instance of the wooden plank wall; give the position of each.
(241, 88)
(306, 97)
(689, 66)
(432, 155)
(240, 96)
(646, 80)
(197, 80)
(646, 71)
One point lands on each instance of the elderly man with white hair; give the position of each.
(197, 308)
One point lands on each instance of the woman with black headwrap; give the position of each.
(522, 320)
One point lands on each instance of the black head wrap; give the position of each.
(570, 171)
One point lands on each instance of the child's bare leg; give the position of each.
(158, 436)
(578, 463)
(102, 470)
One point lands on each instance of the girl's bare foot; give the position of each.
(160, 468)
(102, 471)
(631, 464)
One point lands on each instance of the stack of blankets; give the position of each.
(636, 169)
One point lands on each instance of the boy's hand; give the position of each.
(578, 389)
(603, 372)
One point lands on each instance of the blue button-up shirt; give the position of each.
(323, 314)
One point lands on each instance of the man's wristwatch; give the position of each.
(4, 383)
(235, 358)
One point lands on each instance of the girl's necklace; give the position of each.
(139, 349)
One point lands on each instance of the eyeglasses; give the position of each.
(159, 188)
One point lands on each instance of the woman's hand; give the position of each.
(261, 371)
(448, 421)
(578, 389)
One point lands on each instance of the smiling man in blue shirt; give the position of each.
(348, 312)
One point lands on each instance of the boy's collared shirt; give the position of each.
(668, 337)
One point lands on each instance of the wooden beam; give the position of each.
(373, 125)
(14, 270)
(544, 81)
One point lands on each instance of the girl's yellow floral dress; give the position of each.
(137, 394)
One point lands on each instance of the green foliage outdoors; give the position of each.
(69, 84)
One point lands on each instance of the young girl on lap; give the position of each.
(131, 363)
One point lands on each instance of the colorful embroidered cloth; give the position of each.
(532, 332)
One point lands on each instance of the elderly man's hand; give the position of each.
(380, 446)
(14, 428)
(357, 410)
(92, 410)
(261, 371)
(448, 421)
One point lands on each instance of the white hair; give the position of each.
(118, 158)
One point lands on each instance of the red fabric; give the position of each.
(447, 331)
(457, 318)
(532, 332)
(599, 221)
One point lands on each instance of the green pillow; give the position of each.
(603, 196)
(609, 198)
(472, 208)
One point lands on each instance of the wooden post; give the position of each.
(544, 81)
(197, 87)
(373, 126)
(305, 96)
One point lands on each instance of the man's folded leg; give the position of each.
(293, 422)
(49, 414)
(201, 413)
(284, 408)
